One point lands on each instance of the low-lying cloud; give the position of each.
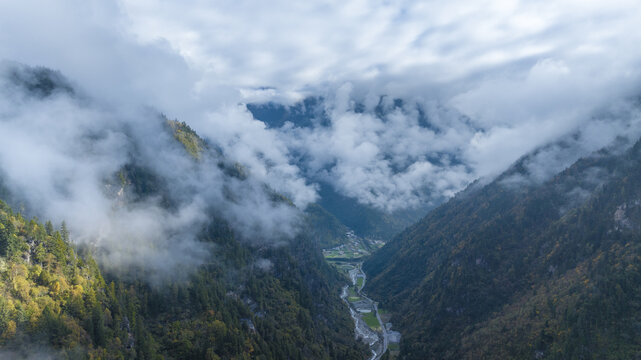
(481, 83)
(61, 153)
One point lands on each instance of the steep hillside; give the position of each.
(366, 221)
(251, 300)
(324, 227)
(250, 296)
(516, 269)
(55, 303)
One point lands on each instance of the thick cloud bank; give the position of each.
(497, 79)
(481, 82)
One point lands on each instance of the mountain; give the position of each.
(520, 269)
(247, 297)
(305, 113)
(365, 220)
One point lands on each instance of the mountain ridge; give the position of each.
(467, 260)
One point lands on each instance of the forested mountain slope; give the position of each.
(55, 303)
(249, 298)
(517, 269)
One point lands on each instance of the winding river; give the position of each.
(360, 305)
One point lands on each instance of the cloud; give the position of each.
(60, 154)
(406, 44)
(34, 352)
(387, 161)
(264, 264)
(57, 155)
(249, 142)
(499, 78)
(482, 84)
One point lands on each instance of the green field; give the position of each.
(359, 282)
(371, 321)
(354, 249)
(340, 266)
(333, 254)
(385, 315)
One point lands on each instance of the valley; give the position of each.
(371, 324)
(320, 180)
(354, 248)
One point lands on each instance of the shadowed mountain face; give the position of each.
(516, 269)
(40, 81)
(365, 220)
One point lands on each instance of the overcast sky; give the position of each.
(497, 78)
